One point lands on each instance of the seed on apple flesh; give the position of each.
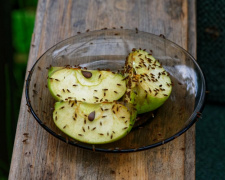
(91, 86)
(93, 123)
(151, 84)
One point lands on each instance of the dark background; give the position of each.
(17, 23)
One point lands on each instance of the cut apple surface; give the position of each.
(147, 80)
(93, 123)
(90, 86)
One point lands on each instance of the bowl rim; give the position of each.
(195, 116)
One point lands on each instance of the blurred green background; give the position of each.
(18, 18)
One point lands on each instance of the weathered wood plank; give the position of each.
(43, 156)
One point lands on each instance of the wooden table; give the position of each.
(45, 157)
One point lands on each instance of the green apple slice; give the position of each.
(152, 82)
(91, 86)
(93, 123)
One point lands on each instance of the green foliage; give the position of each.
(22, 27)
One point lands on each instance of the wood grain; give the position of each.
(44, 157)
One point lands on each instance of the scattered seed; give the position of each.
(125, 127)
(101, 134)
(99, 76)
(68, 90)
(25, 140)
(62, 107)
(58, 95)
(74, 85)
(64, 127)
(136, 30)
(125, 78)
(63, 90)
(80, 134)
(162, 36)
(104, 116)
(83, 129)
(118, 84)
(100, 123)
(111, 136)
(116, 92)
(93, 128)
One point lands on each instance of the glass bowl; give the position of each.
(108, 49)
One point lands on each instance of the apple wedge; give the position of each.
(92, 86)
(147, 80)
(93, 123)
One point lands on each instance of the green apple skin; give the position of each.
(152, 89)
(149, 103)
(112, 121)
(50, 72)
(102, 86)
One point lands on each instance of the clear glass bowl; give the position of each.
(108, 49)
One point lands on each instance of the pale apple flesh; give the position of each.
(93, 123)
(90, 86)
